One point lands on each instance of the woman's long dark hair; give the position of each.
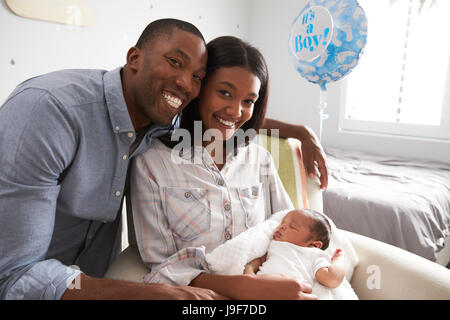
(227, 52)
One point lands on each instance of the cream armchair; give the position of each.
(383, 271)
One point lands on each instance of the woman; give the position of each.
(189, 201)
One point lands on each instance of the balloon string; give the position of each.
(322, 106)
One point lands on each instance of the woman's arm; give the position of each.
(251, 286)
(258, 287)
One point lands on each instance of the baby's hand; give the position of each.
(253, 266)
(336, 254)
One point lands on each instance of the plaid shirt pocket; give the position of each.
(252, 200)
(188, 211)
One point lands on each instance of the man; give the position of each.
(66, 140)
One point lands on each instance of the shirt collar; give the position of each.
(115, 102)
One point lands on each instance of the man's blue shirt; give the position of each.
(65, 139)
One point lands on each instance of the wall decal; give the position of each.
(70, 12)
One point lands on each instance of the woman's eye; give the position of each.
(250, 102)
(197, 77)
(225, 93)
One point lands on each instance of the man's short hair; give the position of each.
(164, 27)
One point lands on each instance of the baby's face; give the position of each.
(295, 228)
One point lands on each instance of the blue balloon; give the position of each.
(327, 39)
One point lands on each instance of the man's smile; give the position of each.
(173, 100)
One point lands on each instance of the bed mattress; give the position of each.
(401, 202)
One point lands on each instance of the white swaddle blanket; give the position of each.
(232, 256)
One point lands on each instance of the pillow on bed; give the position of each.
(232, 256)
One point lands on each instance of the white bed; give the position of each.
(400, 202)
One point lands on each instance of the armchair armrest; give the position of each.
(128, 266)
(387, 272)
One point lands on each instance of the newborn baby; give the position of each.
(297, 250)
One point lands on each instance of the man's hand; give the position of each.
(313, 154)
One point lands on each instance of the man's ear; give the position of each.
(317, 244)
(134, 57)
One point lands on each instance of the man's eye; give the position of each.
(197, 77)
(174, 62)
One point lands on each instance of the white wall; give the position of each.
(294, 99)
(291, 97)
(38, 47)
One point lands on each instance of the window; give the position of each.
(402, 83)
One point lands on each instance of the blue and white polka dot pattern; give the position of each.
(348, 39)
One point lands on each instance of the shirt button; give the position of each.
(187, 194)
(124, 157)
(227, 207)
(117, 128)
(130, 134)
(220, 182)
(117, 193)
(104, 221)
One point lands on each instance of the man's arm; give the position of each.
(36, 144)
(312, 151)
(105, 289)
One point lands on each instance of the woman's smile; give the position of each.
(229, 124)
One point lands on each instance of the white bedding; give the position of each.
(400, 202)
